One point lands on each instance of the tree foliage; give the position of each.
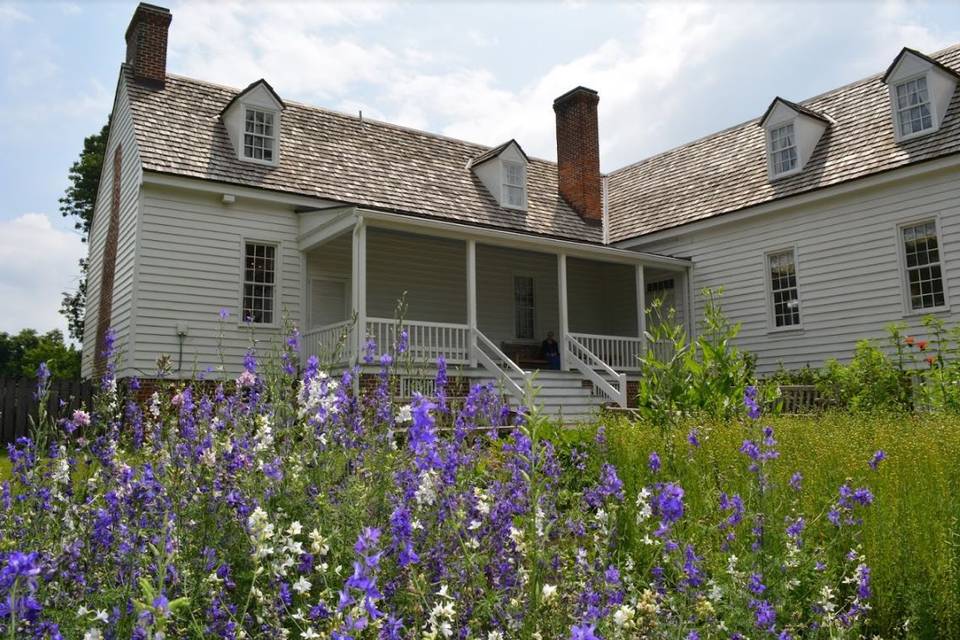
(22, 353)
(78, 202)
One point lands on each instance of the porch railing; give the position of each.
(594, 369)
(330, 343)
(514, 379)
(619, 352)
(426, 341)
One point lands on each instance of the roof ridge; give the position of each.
(343, 114)
(803, 103)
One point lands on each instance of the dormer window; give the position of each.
(783, 149)
(259, 138)
(503, 171)
(792, 133)
(514, 185)
(254, 122)
(921, 89)
(913, 107)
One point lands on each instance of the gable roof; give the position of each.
(490, 154)
(922, 56)
(799, 108)
(335, 156)
(727, 171)
(250, 87)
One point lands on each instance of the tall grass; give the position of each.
(911, 533)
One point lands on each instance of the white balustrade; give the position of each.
(619, 352)
(426, 341)
(330, 343)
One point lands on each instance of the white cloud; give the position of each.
(671, 72)
(10, 14)
(39, 262)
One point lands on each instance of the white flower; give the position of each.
(302, 585)
(427, 491)
(101, 616)
(623, 615)
(82, 612)
(549, 591)
(309, 634)
(405, 414)
(494, 635)
(295, 528)
(92, 634)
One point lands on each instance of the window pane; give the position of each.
(523, 307)
(259, 275)
(783, 289)
(922, 260)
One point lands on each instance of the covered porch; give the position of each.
(484, 300)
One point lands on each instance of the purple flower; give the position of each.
(584, 632)
(224, 313)
(877, 457)
(654, 462)
(750, 401)
(668, 503)
(694, 439)
(796, 481)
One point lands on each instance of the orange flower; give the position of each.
(922, 345)
(909, 340)
(930, 360)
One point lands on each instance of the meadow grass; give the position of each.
(911, 533)
(4, 467)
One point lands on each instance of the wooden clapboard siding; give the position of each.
(190, 268)
(121, 134)
(848, 267)
(601, 297)
(496, 269)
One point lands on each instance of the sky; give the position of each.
(667, 73)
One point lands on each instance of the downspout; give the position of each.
(605, 222)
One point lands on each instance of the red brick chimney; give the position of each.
(578, 152)
(147, 43)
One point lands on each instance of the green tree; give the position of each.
(78, 202)
(21, 354)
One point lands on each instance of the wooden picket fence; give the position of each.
(18, 404)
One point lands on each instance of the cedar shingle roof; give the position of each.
(727, 171)
(335, 156)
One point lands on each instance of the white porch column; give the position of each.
(359, 288)
(564, 317)
(472, 300)
(641, 310)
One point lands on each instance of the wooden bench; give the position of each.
(525, 354)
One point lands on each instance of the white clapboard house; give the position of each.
(823, 221)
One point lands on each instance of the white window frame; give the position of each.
(768, 286)
(278, 277)
(533, 306)
(772, 154)
(895, 108)
(505, 185)
(274, 139)
(908, 309)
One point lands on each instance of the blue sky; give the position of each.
(487, 72)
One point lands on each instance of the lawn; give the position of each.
(910, 533)
(4, 467)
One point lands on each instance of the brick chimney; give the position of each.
(147, 43)
(578, 152)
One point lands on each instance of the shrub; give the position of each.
(680, 378)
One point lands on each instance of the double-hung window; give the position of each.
(784, 294)
(913, 107)
(924, 268)
(514, 185)
(259, 136)
(783, 149)
(259, 282)
(523, 307)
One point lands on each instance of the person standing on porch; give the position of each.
(550, 351)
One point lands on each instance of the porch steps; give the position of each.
(565, 396)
